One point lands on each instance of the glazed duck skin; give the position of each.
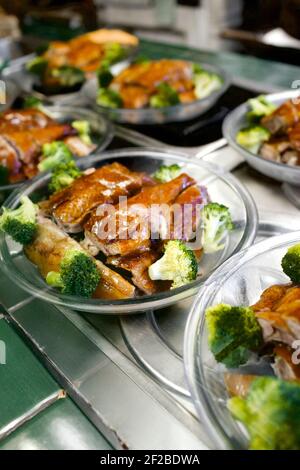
(50, 246)
(278, 312)
(284, 117)
(121, 242)
(138, 82)
(71, 206)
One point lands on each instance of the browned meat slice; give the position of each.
(275, 148)
(78, 147)
(29, 143)
(294, 136)
(284, 367)
(48, 249)
(9, 158)
(284, 117)
(133, 225)
(278, 312)
(238, 384)
(138, 82)
(191, 202)
(138, 266)
(25, 119)
(86, 51)
(72, 205)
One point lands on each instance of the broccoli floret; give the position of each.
(271, 413)
(165, 96)
(104, 76)
(63, 175)
(291, 263)
(233, 332)
(109, 98)
(84, 130)
(78, 274)
(20, 223)
(114, 52)
(67, 76)
(53, 154)
(37, 66)
(178, 264)
(32, 102)
(167, 173)
(259, 107)
(252, 138)
(206, 83)
(216, 222)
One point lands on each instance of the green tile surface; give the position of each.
(237, 65)
(24, 382)
(62, 426)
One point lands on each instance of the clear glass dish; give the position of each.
(239, 281)
(221, 186)
(236, 120)
(180, 112)
(101, 130)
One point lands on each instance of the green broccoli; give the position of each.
(104, 76)
(63, 175)
(167, 173)
(216, 222)
(251, 138)
(53, 154)
(32, 102)
(291, 263)
(178, 264)
(271, 413)
(206, 83)
(114, 52)
(67, 76)
(78, 274)
(233, 332)
(259, 107)
(109, 98)
(37, 66)
(20, 223)
(165, 96)
(84, 130)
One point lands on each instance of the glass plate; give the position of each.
(101, 129)
(239, 281)
(155, 339)
(236, 120)
(180, 112)
(221, 186)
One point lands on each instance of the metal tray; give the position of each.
(155, 339)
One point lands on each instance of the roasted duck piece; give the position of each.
(22, 136)
(136, 217)
(24, 119)
(284, 367)
(278, 312)
(48, 249)
(138, 82)
(87, 51)
(71, 206)
(137, 265)
(284, 117)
